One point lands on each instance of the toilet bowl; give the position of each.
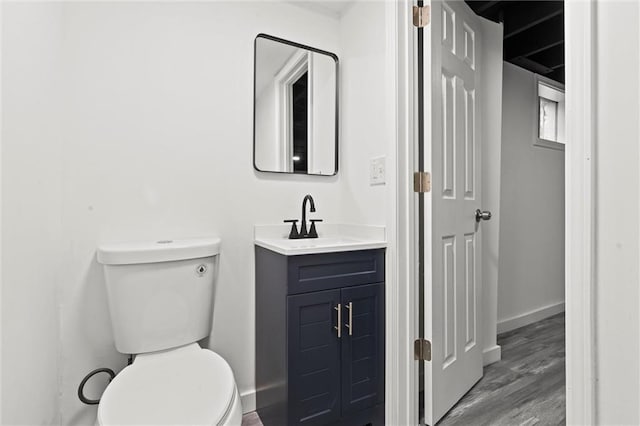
(183, 386)
(161, 302)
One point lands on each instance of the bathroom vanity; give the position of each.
(320, 332)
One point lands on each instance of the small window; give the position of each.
(550, 109)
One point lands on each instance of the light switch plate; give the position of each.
(377, 172)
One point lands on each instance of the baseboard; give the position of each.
(248, 399)
(491, 355)
(529, 317)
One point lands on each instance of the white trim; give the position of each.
(248, 400)
(529, 317)
(401, 381)
(544, 143)
(579, 216)
(491, 355)
(1, 240)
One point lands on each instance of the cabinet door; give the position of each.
(362, 347)
(314, 358)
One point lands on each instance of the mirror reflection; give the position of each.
(295, 108)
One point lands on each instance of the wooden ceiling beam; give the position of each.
(536, 39)
(530, 65)
(486, 6)
(523, 15)
(533, 32)
(557, 75)
(552, 57)
(533, 48)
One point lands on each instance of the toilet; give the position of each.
(160, 297)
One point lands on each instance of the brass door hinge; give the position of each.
(422, 349)
(421, 16)
(421, 182)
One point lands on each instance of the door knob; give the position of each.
(482, 215)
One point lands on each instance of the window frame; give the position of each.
(537, 140)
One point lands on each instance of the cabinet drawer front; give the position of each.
(314, 358)
(333, 270)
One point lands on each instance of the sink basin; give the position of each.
(336, 238)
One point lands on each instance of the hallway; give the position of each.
(526, 387)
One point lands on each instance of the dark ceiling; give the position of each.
(533, 33)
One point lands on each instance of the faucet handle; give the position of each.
(293, 235)
(312, 231)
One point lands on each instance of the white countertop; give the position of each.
(331, 238)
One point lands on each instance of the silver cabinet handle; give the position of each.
(482, 215)
(350, 325)
(338, 326)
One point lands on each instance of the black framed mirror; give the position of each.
(295, 108)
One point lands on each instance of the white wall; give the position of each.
(156, 142)
(268, 152)
(1, 257)
(322, 149)
(363, 108)
(617, 210)
(31, 212)
(531, 270)
(491, 127)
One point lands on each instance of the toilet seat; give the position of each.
(187, 386)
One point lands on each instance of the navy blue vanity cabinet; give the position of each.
(314, 373)
(363, 348)
(310, 368)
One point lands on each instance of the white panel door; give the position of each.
(452, 235)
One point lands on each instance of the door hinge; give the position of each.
(422, 349)
(421, 182)
(421, 16)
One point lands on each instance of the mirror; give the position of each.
(295, 108)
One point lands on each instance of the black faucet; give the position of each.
(303, 226)
(312, 233)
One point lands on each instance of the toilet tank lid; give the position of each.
(130, 253)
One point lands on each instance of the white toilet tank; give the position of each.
(160, 293)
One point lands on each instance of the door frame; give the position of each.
(290, 72)
(401, 328)
(402, 390)
(580, 210)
